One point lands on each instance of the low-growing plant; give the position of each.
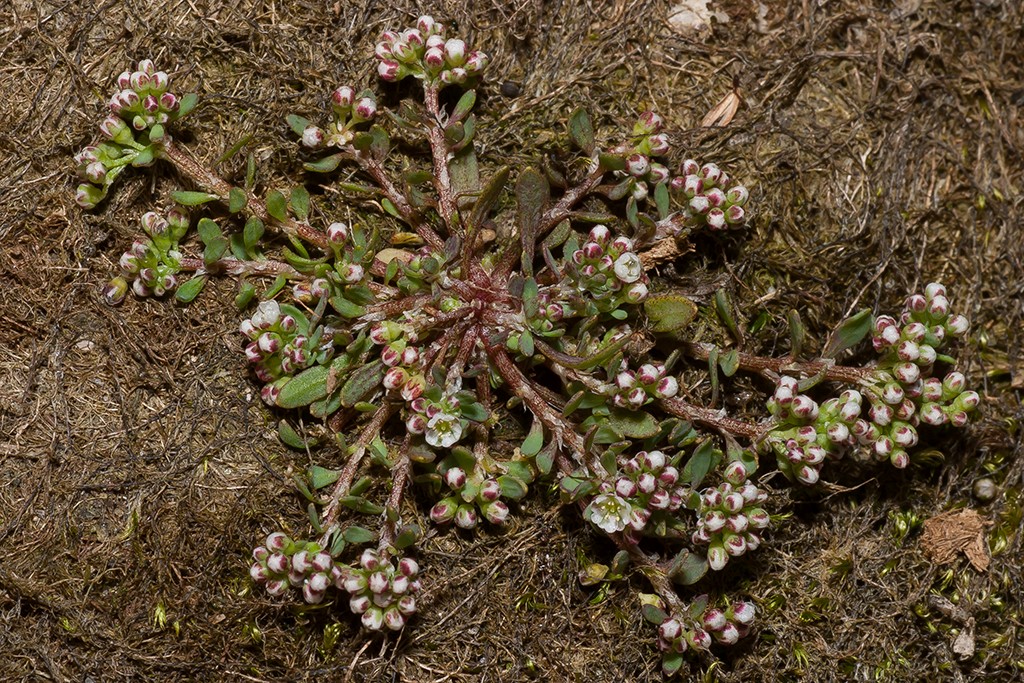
(447, 303)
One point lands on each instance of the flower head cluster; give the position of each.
(139, 111)
(282, 563)
(642, 497)
(641, 171)
(436, 415)
(470, 491)
(382, 591)
(279, 345)
(806, 433)
(682, 632)
(608, 271)
(154, 262)
(403, 359)
(730, 517)
(711, 197)
(632, 389)
(349, 109)
(424, 52)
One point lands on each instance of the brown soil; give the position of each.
(883, 143)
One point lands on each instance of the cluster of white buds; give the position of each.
(436, 416)
(904, 392)
(153, 263)
(711, 197)
(632, 389)
(807, 434)
(382, 591)
(641, 496)
(641, 170)
(403, 359)
(425, 53)
(98, 165)
(730, 517)
(349, 109)
(608, 270)
(279, 348)
(470, 492)
(682, 632)
(282, 563)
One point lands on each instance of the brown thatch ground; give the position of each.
(137, 467)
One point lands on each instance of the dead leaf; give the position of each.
(723, 112)
(694, 16)
(956, 531)
(663, 251)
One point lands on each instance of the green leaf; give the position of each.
(687, 568)
(474, 411)
(214, 250)
(654, 614)
(464, 106)
(145, 157)
(704, 459)
(360, 504)
(545, 460)
(246, 293)
(534, 440)
(361, 486)
(188, 198)
(304, 388)
(362, 382)
(488, 197)
(299, 202)
(730, 362)
(662, 201)
(581, 130)
(409, 534)
(277, 205)
(289, 437)
(319, 477)
(632, 212)
(512, 488)
(325, 165)
(669, 312)
(297, 123)
(611, 162)
(346, 308)
(465, 173)
(671, 663)
(237, 199)
(314, 518)
(275, 287)
(381, 142)
(849, 333)
(633, 424)
(185, 105)
(252, 233)
(208, 231)
(532, 192)
(190, 290)
(723, 306)
(797, 333)
(357, 535)
(390, 207)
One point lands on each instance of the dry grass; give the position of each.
(137, 465)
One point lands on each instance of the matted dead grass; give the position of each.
(138, 466)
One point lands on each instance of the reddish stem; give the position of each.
(786, 365)
(439, 149)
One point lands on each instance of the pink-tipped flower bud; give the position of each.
(954, 383)
(729, 635)
(938, 306)
(638, 165)
(495, 512)
(710, 172)
(433, 58)
(352, 273)
(646, 483)
(476, 62)
(916, 303)
(659, 146)
(906, 373)
(278, 563)
(277, 587)
(648, 123)
(312, 137)
(365, 109)
(933, 290)
(490, 490)
(343, 97)
(395, 378)
(667, 387)
(455, 52)
(717, 557)
(373, 619)
(389, 70)
(465, 517)
(958, 325)
(807, 474)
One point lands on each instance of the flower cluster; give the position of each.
(607, 270)
(730, 517)
(679, 633)
(641, 172)
(633, 389)
(155, 262)
(382, 591)
(711, 197)
(642, 497)
(436, 415)
(282, 563)
(349, 109)
(469, 492)
(423, 52)
(806, 433)
(141, 104)
(279, 345)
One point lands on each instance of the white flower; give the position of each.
(443, 430)
(609, 512)
(267, 313)
(628, 268)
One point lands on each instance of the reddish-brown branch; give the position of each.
(412, 217)
(399, 479)
(785, 365)
(439, 149)
(232, 266)
(210, 182)
(711, 418)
